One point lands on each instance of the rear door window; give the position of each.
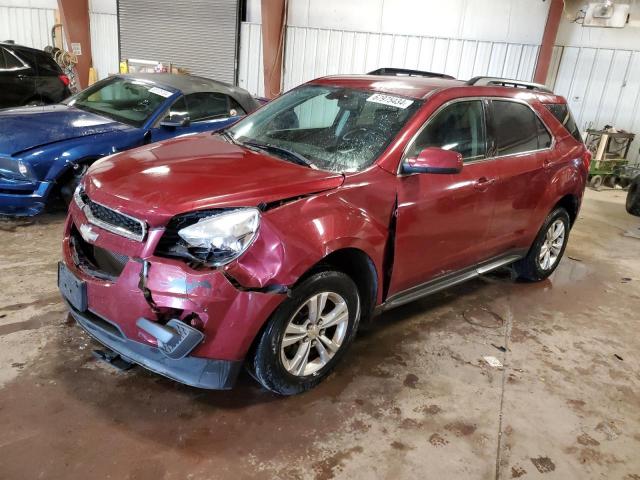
(8, 61)
(563, 114)
(459, 127)
(518, 129)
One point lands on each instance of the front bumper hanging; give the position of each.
(193, 371)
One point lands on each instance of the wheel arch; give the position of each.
(571, 204)
(359, 266)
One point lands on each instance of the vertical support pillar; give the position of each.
(274, 16)
(75, 21)
(548, 41)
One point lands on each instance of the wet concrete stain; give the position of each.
(437, 440)
(517, 471)
(460, 429)
(327, 468)
(410, 380)
(543, 464)
(588, 440)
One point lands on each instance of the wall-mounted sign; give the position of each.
(76, 49)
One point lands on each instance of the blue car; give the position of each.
(44, 151)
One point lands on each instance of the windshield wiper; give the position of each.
(293, 156)
(225, 133)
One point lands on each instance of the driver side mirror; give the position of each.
(434, 160)
(175, 123)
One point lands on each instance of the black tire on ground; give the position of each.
(624, 182)
(610, 181)
(595, 181)
(633, 197)
(529, 267)
(71, 181)
(265, 362)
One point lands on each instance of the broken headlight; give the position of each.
(214, 238)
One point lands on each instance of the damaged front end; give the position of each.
(162, 305)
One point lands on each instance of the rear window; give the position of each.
(563, 114)
(46, 63)
(518, 129)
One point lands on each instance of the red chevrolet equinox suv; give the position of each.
(267, 244)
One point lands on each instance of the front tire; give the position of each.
(307, 335)
(547, 249)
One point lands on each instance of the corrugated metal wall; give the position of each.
(250, 71)
(602, 87)
(104, 43)
(198, 35)
(313, 52)
(27, 26)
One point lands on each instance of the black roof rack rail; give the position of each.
(408, 72)
(507, 82)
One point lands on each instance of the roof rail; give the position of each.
(409, 73)
(507, 82)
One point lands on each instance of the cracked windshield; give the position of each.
(328, 128)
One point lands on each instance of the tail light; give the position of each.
(586, 159)
(64, 79)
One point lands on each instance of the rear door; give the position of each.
(522, 153)
(16, 84)
(443, 219)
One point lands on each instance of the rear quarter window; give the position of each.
(563, 115)
(518, 129)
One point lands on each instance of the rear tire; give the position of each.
(547, 249)
(299, 347)
(633, 198)
(610, 181)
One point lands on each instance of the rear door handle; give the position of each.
(546, 163)
(483, 183)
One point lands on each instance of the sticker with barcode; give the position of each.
(390, 100)
(160, 91)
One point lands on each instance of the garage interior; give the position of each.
(415, 397)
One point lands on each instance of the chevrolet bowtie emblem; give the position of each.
(87, 233)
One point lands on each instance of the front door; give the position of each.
(443, 219)
(206, 111)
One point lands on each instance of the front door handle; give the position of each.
(483, 183)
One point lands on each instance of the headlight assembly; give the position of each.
(212, 238)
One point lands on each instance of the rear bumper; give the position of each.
(193, 371)
(23, 200)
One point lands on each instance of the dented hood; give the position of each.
(198, 172)
(25, 128)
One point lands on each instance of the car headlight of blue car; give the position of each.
(14, 169)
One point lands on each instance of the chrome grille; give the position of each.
(109, 219)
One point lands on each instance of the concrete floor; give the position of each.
(413, 399)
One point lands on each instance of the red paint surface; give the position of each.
(444, 221)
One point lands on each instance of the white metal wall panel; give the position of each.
(200, 35)
(314, 52)
(250, 70)
(602, 87)
(27, 26)
(104, 43)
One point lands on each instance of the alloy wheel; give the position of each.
(314, 334)
(552, 245)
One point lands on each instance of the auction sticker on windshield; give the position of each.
(390, 100)
(161, 92)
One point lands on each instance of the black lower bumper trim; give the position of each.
(193, 371)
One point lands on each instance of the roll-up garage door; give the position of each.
(199, 35)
